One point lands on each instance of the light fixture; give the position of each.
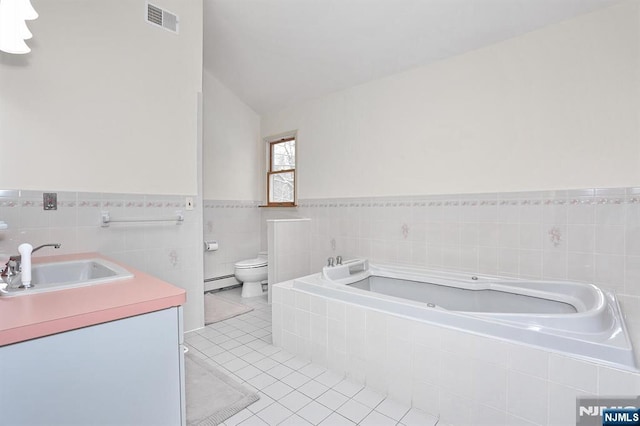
(13, 26)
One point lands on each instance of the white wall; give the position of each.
(104, 102)
(231, 145)
(555, 108)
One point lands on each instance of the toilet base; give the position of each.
(252, 289)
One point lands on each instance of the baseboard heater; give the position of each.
(220, 282)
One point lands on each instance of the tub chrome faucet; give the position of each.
(338, 260)
(13, 267)
(330, 262)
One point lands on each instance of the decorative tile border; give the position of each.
(230, 204)
(533, 198)
(12, 199)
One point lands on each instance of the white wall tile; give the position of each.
(508, 262)
(426, 397)
(356, 341)
(632, 275)
(581, 238)
(289, 341)
(509, 212)
(490, 350)
(488, 416)
(457, 342)
(490, 384)
(526, 359)
(609, 271)
(303, 324)
(509, 235)
(318, 329)
(488, 234)
(573, 372)
(302, 301)
(456, 374)
(376, 323)
(531, 236)
(356, 369)
(580, 266)
(337, 336)
(610, 214)
(554, 213)
(289, 319)
(616, 382)
(400, 388)
(610, 239)
(527, 397)
(530, 264)
(562, 404)
(554, 265)
(580, 211)
(426, 365)
(337, 361)
(426, 335)
(399, 328)
(513, 420)
(399, 355)
(455, 409)
(336, 311)
(377, 375)
(318, 305)
(632, 240)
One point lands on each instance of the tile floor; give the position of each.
(292, 391)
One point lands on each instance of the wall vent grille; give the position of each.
(162, 18)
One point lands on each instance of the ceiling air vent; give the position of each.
(162, 18)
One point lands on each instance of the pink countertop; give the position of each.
(42, 314)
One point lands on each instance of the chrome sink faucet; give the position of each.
(20, 262)
(54, 245)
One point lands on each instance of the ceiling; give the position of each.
(275, 53)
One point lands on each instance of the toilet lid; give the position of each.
(251, 263)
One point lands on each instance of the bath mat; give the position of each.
(212, 397)
(217, 309)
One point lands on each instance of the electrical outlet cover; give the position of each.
(50, 201)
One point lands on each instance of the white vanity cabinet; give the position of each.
(124, 372)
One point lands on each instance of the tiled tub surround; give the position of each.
(571, 318)
(165, 250)
(590, 235)
(462, 377)
(580, 235)
(236, 226)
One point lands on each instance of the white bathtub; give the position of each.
(572, 318)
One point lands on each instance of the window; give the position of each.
(281, 175)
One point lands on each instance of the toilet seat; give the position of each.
(251, 263)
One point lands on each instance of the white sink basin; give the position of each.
(72, 274)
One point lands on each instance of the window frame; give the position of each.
(270, 171)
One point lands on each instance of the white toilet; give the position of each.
(252, 273)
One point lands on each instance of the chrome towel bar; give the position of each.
(106, 219)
